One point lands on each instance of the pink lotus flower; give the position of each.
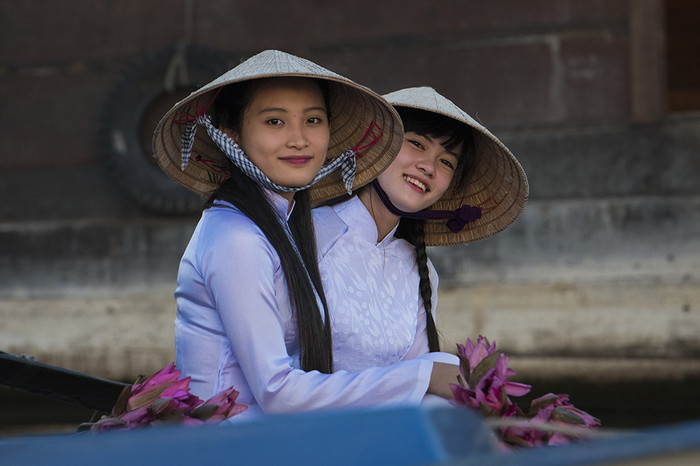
(179, 399)
(488, 390)
(220, 407)
(138, 417)
(487, 375)
(474, 354)
(129, 420)
(524, 436)
(562, 411)
(527, 435)
(164, 397)
(144, 394)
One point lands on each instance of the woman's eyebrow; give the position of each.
(273, 109)
(284, 110)
(449, 152)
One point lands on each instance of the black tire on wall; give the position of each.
(142, 94)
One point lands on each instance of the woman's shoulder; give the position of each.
(321, 214)
(225, 225)
(225, 212)
(328, 227)
(347, 216)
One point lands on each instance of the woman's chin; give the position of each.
(293, 183)
(410, 207)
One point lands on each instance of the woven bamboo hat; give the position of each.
(358, 116)
(498, 186)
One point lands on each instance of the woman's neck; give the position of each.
(384, 220)
(290, 198)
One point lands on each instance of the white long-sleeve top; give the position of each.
(235, 327)
(376, 311)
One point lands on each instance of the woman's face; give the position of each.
(420, 174)
(285, 130)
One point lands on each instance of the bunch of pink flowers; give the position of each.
(165, 397)
(551, 419)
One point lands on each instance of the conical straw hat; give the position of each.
(498, 186)
(354, 111)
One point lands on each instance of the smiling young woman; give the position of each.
(441, 189)
(418, 177)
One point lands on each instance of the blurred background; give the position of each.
(592, 292)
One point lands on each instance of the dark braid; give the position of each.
(412, 231)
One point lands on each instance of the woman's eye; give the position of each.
(315, 120)
(448, 163)
(274, 121)
(416, 143)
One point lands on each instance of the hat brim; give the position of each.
(498, 186)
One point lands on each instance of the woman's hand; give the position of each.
(442, 376)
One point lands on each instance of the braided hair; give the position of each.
(412, 231)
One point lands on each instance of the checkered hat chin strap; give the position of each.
(346, 161)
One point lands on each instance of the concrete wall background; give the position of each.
(600, 273)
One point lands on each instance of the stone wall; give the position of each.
(602, 265)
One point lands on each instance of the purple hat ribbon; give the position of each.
(456, 219)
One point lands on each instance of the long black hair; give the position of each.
(453, 134)
(301, 274)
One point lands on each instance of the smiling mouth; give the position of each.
(416, 182)
(296, 159)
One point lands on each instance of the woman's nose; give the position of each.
(426, 165)
(297, 136)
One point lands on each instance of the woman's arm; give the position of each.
(441, 377)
